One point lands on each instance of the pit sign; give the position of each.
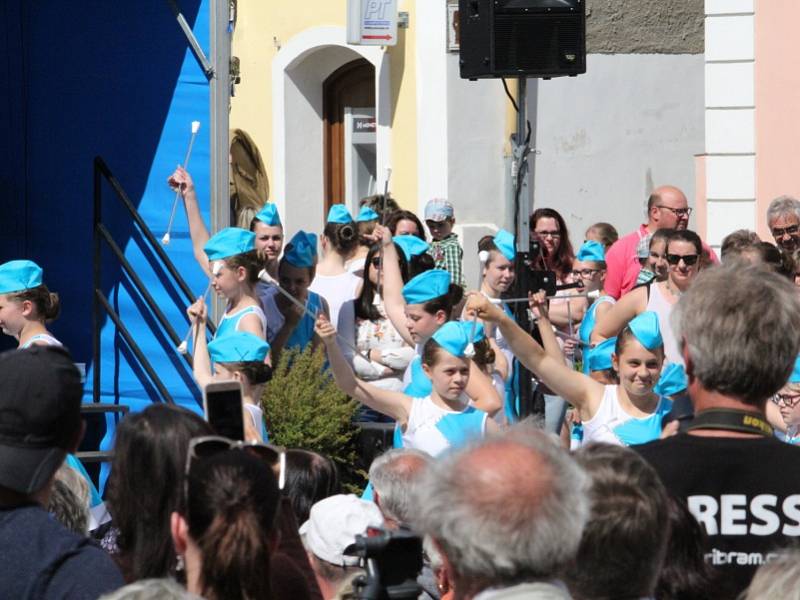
(372, 22)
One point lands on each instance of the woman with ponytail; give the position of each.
(226, 529)
(332, 280)
(26, 304)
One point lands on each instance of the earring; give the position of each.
(180, 565)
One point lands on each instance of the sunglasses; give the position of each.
(688, 259)
(678, 212)
(376, 261)
(207, 446)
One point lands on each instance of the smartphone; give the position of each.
(222, 403)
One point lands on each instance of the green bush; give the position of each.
(304, 409)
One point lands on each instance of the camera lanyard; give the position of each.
(731, 420)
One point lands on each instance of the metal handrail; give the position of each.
(101, 233)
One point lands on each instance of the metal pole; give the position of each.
(219, 105)
(521, 160)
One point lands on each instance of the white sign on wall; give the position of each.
(372, 22)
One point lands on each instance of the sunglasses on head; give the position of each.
(688, 259)
(204, 447)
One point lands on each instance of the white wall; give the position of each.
(631, 123)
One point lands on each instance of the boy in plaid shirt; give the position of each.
(445, 249)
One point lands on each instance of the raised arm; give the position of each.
(392, 404)
(480, 388)
(201, 363)
(579, 390)
(538, 303)
(392, 292)
(611, 322)
(181, 180)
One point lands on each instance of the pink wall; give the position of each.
(777, 95)
(700, 204)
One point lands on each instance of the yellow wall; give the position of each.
(264, 25)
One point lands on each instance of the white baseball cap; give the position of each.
(333, 525)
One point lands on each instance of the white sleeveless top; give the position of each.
(606, 425)
(42, 339)
(338, 290)
(233, 320)
(659, 305)
(421, 432)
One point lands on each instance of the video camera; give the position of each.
(393, 560)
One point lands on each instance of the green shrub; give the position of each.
(304, 409)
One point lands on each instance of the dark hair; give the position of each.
(625, 538)
(257, 372)
(739, 241)
(405, 215)
(686, 235)
(376, 203)
(607, 233)
(342, 236)
(685, 573)
(781, 263)
(661, 235)
(561, 263)
(365, 309)
(250, 261)
(310, 477)
(486, 243)
(446, 302)
(430, 351)
(144, 486)
(231, 509)
(47, 304)
(419, 264)
(365, 229)
(484, 355)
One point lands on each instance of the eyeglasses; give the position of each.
(584, 272)
(688, 259)
(791, 230)
(207, 446)
(552, 234)
(678, 212)
(789, 400)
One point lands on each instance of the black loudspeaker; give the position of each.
(522, 38)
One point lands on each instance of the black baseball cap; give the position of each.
(40, 415)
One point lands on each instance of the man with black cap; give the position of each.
(40, 422)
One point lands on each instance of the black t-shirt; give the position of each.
(42, 559)
(744, 491)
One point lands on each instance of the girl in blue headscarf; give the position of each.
(287, 325)
(26, 305)
(589, 267)
(626, 413)
(417, 310)
(444, 418)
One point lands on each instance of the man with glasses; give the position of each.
(783, 220)
(667, 208)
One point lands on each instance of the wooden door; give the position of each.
(352, 85)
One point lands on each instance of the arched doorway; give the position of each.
(348, 97)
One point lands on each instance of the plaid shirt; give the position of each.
(447, 255)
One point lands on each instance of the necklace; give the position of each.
(675, 292)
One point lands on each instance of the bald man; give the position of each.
(667, 208)
(394, 476)
(506, 515)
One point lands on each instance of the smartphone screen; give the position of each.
(224, 412)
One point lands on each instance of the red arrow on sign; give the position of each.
(376, 37)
